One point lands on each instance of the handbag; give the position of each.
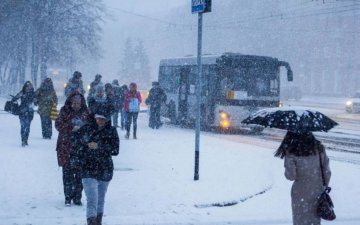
(325, 208)
(54, 112)
(12, 107)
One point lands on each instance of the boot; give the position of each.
(127, 135)
(77, 202)
(134, 133)
(91, 221)
(99, 218)
(67, 201)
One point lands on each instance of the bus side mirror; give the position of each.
(290, 75)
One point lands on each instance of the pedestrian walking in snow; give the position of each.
(117, 102)
(110, 98)
(155, 99)
(26, 110)
(97, 142)
(99, 104)
(74, 84)
(302, 153)
(124, 91)
(92, 90)
(46, 97)
(71, 117)
(132, 108)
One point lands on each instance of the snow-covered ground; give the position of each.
(153, 181)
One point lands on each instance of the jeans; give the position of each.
(25, 122)
(46, 126)
(115, 117)
(123, 119)
(95, 191)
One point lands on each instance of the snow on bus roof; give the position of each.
(191, 60)
(208, 59)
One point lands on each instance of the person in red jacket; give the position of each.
(132, 107)
(71, 117)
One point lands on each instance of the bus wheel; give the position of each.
(172, 112)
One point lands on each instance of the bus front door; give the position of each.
(183, 96)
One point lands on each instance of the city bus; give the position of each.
(232, 87)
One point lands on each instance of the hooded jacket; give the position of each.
(130, 95)
(67, 119)
(46, 97)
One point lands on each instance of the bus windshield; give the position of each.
(250, 81)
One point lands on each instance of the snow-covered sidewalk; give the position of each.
(153, 181)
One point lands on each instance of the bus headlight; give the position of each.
(349, 103)
(224, 120)
(225, 124)
(224, 115)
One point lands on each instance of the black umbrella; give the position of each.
(292, 119)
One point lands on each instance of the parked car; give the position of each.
(291, 92)
(353, 105)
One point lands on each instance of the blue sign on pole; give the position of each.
(197, 6)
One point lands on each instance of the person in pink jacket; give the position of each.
(132, 107)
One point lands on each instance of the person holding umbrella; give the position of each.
(305, 164)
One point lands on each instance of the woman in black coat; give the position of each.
(26, 110)
(94, 145)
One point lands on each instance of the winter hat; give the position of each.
(77, 74)
(100, 116)
(100, 88)
(98, 77)
(115, 82)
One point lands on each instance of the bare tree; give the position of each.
(48, 31)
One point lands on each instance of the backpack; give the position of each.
(134, 105)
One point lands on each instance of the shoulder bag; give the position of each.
(325, 208)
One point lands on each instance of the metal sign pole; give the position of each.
(198, 98)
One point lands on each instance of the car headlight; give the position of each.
(349, 103)
(281, 104)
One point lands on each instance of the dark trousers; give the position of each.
(154, 120)
(123, 118)
(72, 183)
(46, 126)
(131, 117)
(25, 122)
